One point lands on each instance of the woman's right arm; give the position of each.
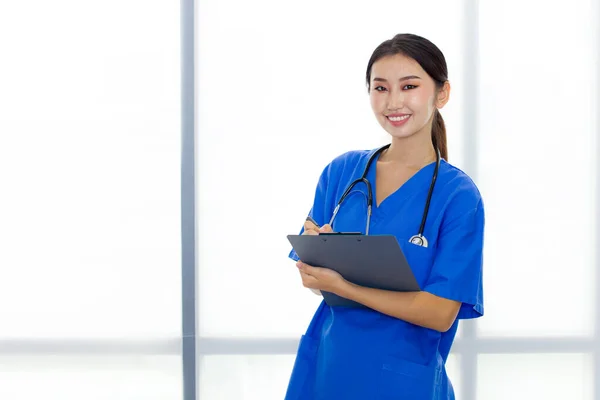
(310, 228)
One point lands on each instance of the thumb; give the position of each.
(326, 229)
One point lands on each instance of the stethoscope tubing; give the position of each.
(419, 238)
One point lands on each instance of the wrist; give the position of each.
(345, 289)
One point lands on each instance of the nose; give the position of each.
(395, 100)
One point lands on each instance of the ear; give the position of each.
(443, 95)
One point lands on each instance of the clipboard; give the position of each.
(374, 261)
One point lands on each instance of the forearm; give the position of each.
(419, 308)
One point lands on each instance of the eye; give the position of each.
(408, 87)
(379, 89)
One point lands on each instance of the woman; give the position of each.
(396, 347)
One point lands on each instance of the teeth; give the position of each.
(396, 119)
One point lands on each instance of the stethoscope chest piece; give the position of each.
(419, 240)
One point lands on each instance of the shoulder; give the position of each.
(351, 158)
(348, 162)
(461, 194)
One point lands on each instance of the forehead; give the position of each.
(395, 67)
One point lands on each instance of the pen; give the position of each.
(331, 233)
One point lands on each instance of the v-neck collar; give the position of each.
(420, 180)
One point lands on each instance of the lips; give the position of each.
(398, 119)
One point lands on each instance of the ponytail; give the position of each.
(438, 135)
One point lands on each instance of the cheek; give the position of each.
(376, 103)
(422, 102)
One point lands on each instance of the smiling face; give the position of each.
(404, 97)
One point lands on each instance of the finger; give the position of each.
(307, 269)
(310, 226)
(311, 219)
(326, 229)
(309, 281)
(304, 275)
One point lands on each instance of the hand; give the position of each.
(312, 229)
(317, 278)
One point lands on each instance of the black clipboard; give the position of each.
(374, 261)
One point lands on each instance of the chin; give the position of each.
(400, 134)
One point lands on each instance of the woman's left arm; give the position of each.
(419, 308)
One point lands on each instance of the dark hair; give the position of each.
(431, 59)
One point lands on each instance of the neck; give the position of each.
(415, 151)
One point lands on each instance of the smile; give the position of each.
(397, 119)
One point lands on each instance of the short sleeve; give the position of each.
(320, 208)
(457, 271)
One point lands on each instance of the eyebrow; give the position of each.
(401, 79)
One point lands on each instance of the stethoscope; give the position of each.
(418, 239)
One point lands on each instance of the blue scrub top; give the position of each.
(350, 353)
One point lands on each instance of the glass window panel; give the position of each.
(245, 377)
(276, 102)
(537, 167)
(535, 376)
(454, 373)
(90, 139)
(90, 377)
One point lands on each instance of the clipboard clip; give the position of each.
(338, 233)
(309, 218)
